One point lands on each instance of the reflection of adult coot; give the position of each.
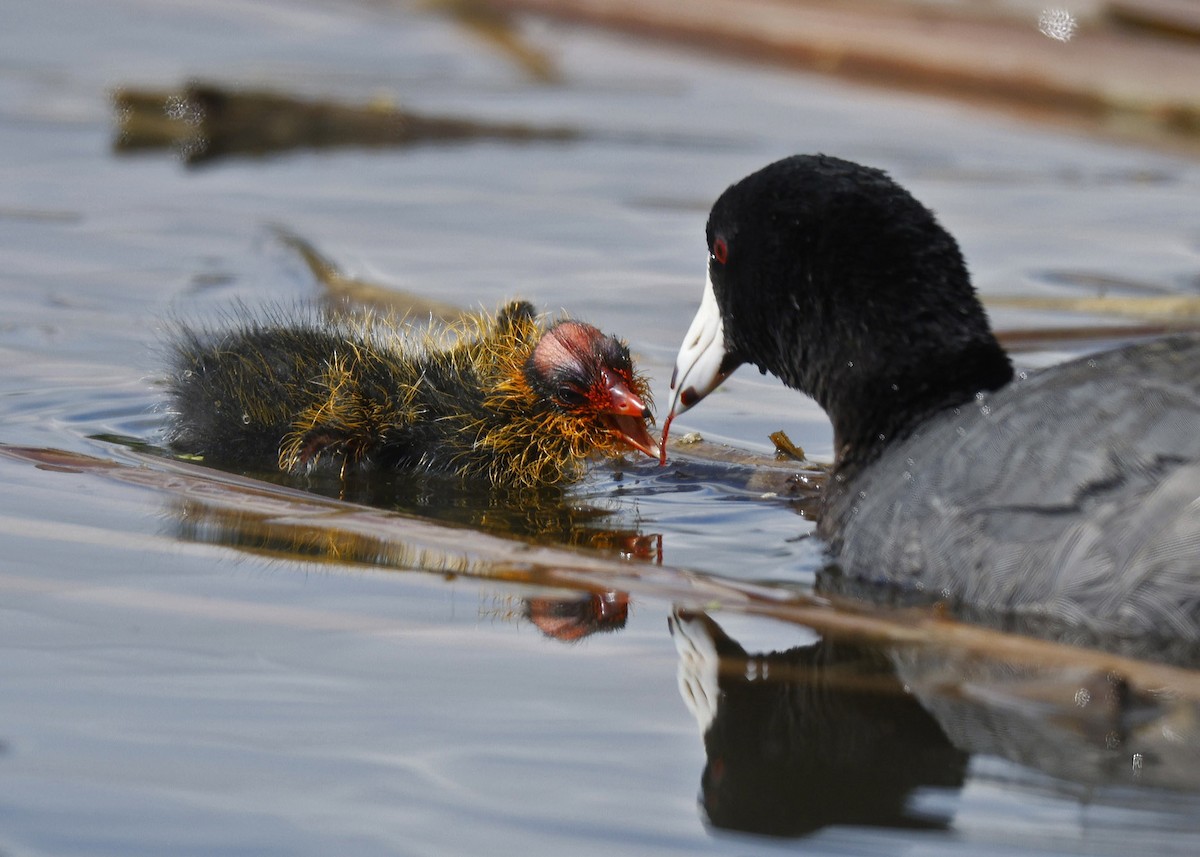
(815, 736)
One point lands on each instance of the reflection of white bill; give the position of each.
(699, 660)
(698, 663)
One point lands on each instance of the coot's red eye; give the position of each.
(720, 251)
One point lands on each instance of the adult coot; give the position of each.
(1065, 501)
(508, 398)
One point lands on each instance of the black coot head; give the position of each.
(831, 276)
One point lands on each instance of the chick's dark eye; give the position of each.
(570, 397)
(720, 251)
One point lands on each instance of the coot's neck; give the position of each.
(873, 404)
(874, 410)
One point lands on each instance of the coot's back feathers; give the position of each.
(1062, 499)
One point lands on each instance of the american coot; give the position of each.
(506, 399)
(1068, 498)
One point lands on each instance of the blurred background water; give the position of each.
(171, 689)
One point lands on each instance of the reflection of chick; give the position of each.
(571, 618)
(507, 399)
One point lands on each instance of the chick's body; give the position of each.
(340, 396)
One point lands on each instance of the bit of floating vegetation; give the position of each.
(1180, 310)
(499, 29)
(1155, 315)
(784, 448)
(203, 122)
(345, 293)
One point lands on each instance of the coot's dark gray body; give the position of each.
(1066, 502)
(1070, 497)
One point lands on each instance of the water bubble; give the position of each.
(1082, 697)
(245, 419)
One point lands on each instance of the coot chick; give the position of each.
(506, 399)
(1065, 502)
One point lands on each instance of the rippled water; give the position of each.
(193, 663)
